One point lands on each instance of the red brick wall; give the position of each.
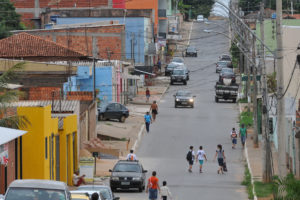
(84, 43)
(26, 19)
(43, 93)
(60, 3)
(82, 96)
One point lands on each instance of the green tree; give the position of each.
(197, 7)
(7, 96)
(9, 19)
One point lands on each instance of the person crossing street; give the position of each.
(148, 121)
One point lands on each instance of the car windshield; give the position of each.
(123, 167)
(227, 70)
(178, 72)
(34, 194)
(191, 49)
(172, 66)
(104, 191)
(178, 60)
(225, 57)
(183, 93)
(222, 64)
(200, 17)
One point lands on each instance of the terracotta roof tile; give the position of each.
(24, 45)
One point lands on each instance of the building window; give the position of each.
(46, 148)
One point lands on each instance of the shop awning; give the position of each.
(8, 134)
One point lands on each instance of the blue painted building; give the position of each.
(83, 81)
(138, 32)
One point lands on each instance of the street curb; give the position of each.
(136, 143)
(248, 163)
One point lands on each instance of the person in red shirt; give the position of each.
(147, 94)
(153, 186)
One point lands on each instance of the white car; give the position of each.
(200, 18)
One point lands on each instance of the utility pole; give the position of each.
(254, 93)
(266, 147)
(94, 79)
(280, 98)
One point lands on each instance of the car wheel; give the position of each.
(141, 189)
(113, 189)
(216, 99)
(175, 105)
(172, 83)
(192, 106)
(101, 117)
(184, 82)
(234, 100)
(122, 119)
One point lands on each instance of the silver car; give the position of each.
(35, 189)
(103, 189)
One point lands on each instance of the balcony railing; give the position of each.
(162, 13)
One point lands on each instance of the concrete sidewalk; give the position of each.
(127, 134)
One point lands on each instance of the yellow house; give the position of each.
(49, 149)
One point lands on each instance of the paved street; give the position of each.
(164, 148)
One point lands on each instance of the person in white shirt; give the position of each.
(201, 156)
(77, 179)
(131, 156)
(165, 192)
(233, 136)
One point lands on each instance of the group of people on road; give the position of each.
(153, 188)
(150, 119)
(219, 155)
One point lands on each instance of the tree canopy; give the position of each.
(9, 19)
(196, 7)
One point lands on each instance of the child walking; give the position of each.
(201, 156)
(165, 192)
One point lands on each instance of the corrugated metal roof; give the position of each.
(58, 106)
(8, 134)
(60, 119)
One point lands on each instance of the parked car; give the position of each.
(220, 65)
(184, 98)
(226, 58)
(200, 18)
(191, 51)
(88, 192)
(227, 76)
(128, 175)
(103, 189)
(31, 189)
(80, 196)
(170, 67)
(177, 60)
(180, 74)
(113, 111)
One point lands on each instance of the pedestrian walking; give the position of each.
(159, 65)
(154, 110)
(243, 134)
(201, 155)
(131, 156)
(148, 121)
(190, 158)
(153, 186)
(233, 136)
(147, 95)
(165, 192)
(221, 158)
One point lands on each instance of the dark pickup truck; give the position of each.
(226, 92)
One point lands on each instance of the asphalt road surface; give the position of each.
(164, 149)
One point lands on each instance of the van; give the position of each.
(35, 189)
(200, 18)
